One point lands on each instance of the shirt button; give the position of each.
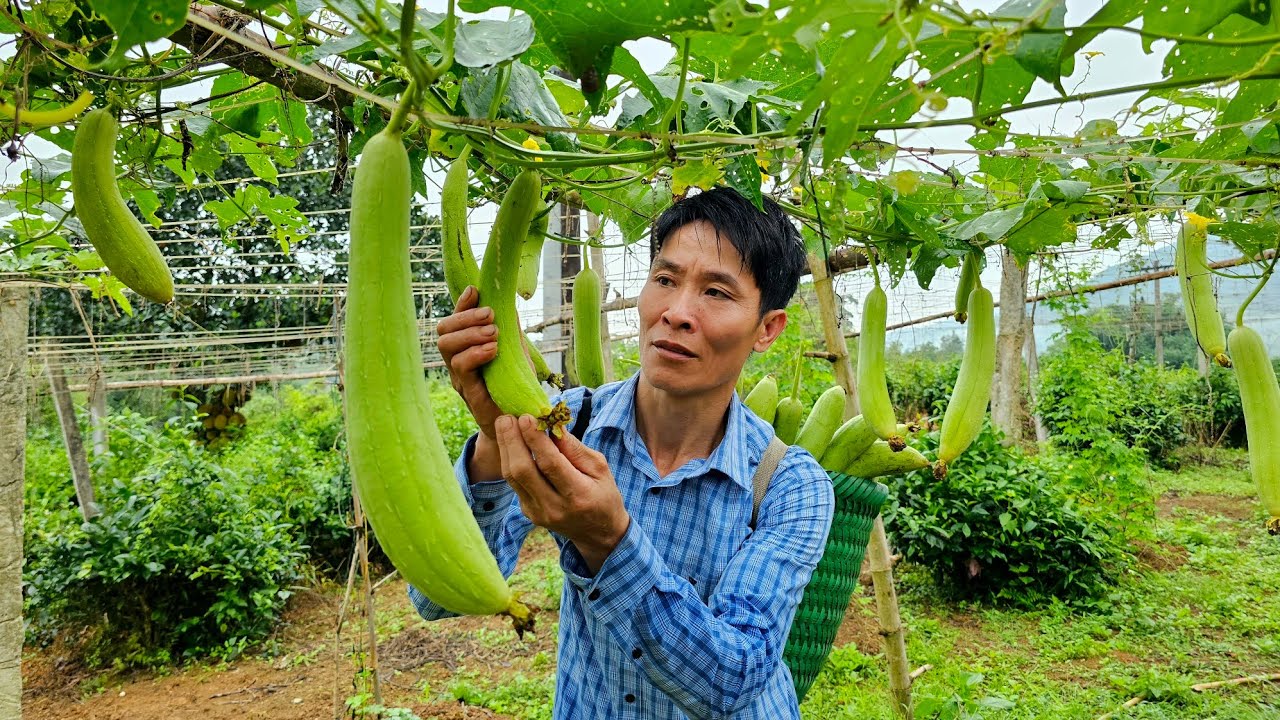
(636, 653)
(630, 698)
(595, 594)
(488, 506)
(654, 491)
(693, 580)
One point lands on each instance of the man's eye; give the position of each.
(663, 280)
(717, 292)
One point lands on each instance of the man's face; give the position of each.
(700, 314)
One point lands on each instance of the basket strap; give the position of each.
(764, 473)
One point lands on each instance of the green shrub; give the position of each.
(290, 454)
(920, 385)
(1001, 526)
(1093, 401)
(180, 564)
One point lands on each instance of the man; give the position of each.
(673, 606)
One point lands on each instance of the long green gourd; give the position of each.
(879, 459)
(968, 280)
(1195, 281)
(1260, 398)
(763, 398)
(851, 440)
(790, 412)
(823, 421)
(402, 471)
(531, 253)
(460, 268)
(968, 404)
(124, 245)
(510, 379)
(588, 353)
(873, 389)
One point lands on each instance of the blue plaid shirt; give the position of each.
(688, 616)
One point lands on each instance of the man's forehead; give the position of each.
(703, 239)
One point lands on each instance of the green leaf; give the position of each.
(1067, 190)
(1044, 227)
(1041, 53)
(864, 63)
(989, 226)
(626, 65)
(353, 40)
(1251, 238)
(1114, 12)
(707, 102)
(1003, 82)
(584, 33)
(485, 43)
(140, 21)
(254, 156)
(148, 202)
(743, 174)
(1187, 17)
(85, 260)
(703, 173)
(527, 100)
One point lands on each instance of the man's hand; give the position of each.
(563, 486)
(468, 340)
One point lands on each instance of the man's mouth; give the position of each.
(673, 349)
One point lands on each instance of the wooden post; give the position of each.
(553, 335)
(1156, 325)
(597, 262)
(1033, 377)
(14, 308)
(1007, 399)
(570, 264)
(73, 440)
(895, 644)
(830, 313)
(878, 556)
(98, 412)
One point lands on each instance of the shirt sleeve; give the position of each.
(497, 511)
(713, 659)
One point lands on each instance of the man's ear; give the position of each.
(771, 326)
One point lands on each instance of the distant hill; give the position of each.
(1263, 314)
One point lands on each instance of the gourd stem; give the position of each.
(1266, 275)
(402, 110)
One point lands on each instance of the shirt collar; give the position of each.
(738, 452)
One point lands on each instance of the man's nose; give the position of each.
(679, 312)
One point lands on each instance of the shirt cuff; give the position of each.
(489, 500)
(631, 570)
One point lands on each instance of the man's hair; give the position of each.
(768, 242)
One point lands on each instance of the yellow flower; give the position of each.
(1199, 223)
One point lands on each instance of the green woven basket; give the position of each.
(821, 610)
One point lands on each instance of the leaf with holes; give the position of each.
(139, 21)
(584, 33)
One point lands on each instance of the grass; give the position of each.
(1206, 607)
(1203, 604)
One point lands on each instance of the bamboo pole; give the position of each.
(836, 346)
(98, 413)
(895, 644)
(73, 441)
(878, 556)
